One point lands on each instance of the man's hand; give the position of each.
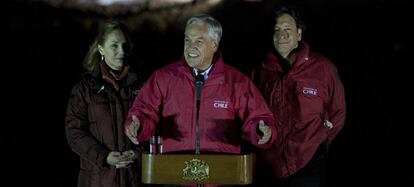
(328, 124)
(267, 132)
(132, 129)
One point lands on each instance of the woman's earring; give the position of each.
(102, 58)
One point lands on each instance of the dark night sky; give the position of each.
(43, 48)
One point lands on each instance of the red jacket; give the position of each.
(301, 99)
(228, 96)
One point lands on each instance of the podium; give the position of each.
(198, 169)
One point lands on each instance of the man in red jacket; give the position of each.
(228, 97)
(306, 96)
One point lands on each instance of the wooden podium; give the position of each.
(198, 169)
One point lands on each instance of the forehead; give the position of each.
(115, 36)
(285, 19)
(196, 29)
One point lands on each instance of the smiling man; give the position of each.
(306, 95)
(231, 109)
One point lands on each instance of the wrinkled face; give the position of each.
(113, 49)
(199, 47)
(286, 35)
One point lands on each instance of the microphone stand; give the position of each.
(199, 82)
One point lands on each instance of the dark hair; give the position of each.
(93, 57)
(292, 10)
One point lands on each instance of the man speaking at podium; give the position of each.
(201, 104)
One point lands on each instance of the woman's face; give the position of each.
(113, 49)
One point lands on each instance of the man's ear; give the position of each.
(215, 45)
(299, 34)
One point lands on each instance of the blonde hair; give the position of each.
(93, 57)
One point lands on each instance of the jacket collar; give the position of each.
(216, 69)
(273, 59)
(127, 80)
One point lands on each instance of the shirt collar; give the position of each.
(204, 73)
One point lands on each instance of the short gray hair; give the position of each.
(214, 27)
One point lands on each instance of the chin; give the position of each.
(118, 67)
(192, 64)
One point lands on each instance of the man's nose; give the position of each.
(193, 45)
(283, 34)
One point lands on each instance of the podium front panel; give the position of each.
(197, 169)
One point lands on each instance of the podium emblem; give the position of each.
(195, 170)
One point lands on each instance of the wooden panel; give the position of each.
(222, 169)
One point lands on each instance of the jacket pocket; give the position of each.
(307, 105)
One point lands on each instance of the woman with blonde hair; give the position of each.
(96, 111)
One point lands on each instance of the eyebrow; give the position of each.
(116, 42)
(196, 38)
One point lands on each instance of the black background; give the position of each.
(43, 48)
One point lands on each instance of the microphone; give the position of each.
(199, 82)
